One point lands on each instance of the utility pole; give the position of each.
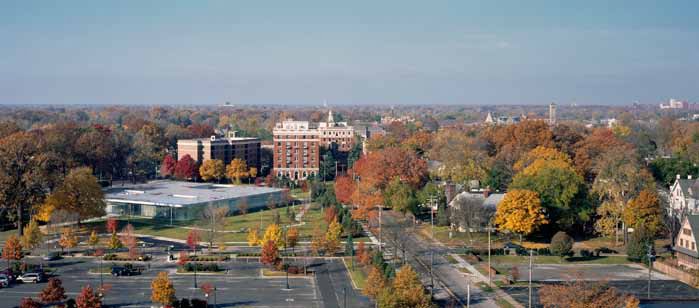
(531, 256)
(489, 268)
(432, 201)
(380, 243)
(651, 257)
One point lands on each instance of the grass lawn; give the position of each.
(359, 274)
(236, 225)
(557, 260)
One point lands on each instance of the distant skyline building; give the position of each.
(552, 113)
(675, 104)
(222, 148)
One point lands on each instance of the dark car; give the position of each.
(51, 256)
(123, 271)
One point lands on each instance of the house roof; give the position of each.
(690, 188)
(490, 202)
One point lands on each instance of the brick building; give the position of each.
(296, 149)
(297, 145)
(225, 149)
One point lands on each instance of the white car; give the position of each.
(31, 277)
(4, 281)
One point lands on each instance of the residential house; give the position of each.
(683, 197)
(686, 243)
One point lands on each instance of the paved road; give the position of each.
(418, 255)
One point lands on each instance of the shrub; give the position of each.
(198, 303)
(586, 253)
(561, 244)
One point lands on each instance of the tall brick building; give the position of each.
(296, 149)
(225, 149)
(297, 145)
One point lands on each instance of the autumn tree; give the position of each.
(330, 215)
(644, 211)
(193, 240)
(237, 170)
(93, 240)
(129, 240)
(28, 302)
(114, 242)
(32, 236)
(162, 290)
(592, 148)
(520, 212)
(112, 224)
(362, 254)
(550, 174)
(344, 187)
(215, 219)
(317, 240)
(79, 193)
(580, 293)
(252, 172)
(461, 157)
(273, 233)
(332, 238)
(375, 283)
(20, 182)
(399, 196)
(12, 249)
(409, 290)
(186, 168)
(167, 168)
(212, 170)
(88, 298)
(270, 254)
(68, 238)
(292, 237)
(53, 292)
(253, 237)
(182, 259)
(619, 179)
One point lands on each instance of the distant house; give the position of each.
(484, 205)
(686, 243)
(683, 197)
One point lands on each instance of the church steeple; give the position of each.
(330, 117)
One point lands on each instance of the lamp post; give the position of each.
(286, 269)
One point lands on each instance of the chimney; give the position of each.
(678, 177)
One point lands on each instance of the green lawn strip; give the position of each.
(451, 259)
(503, 303)
(358, 274)
(511, 260)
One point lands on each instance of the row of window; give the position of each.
(685, 244)
(295, 137)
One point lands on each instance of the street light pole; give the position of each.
(531, 256)
(489, 268)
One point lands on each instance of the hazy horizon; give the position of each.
(359, 53)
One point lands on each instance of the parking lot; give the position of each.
(240, 285)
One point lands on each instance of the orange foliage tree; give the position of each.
(344, 187)
(270, 254)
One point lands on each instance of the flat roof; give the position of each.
(180, 194)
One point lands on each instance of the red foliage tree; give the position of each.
(128, 239)
(112, 224)
(201, 130)
(330, 214)
(167, 168)
(186, 168)
(183, 258)
(87, 298)
(270, 255)
(193, 240)
(344, 187)
(27, 302)
(53, 292)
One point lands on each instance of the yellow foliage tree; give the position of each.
(375, 283)
(163, 291)
(317, 240)
(408, 289)
(212, 169)
(520, 212)
(114, 241)
(68, 239)
(253, 237)
(94, 239)
(645, 211)
(332, 237)
(32, 235)
(542, 154)
(273, 233)
(237, 170)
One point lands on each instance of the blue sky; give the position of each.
(348, 52)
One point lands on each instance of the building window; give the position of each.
(682, 242)
(686, 231)
(692, 245)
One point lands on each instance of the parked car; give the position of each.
(123, 271)
(31, 277)
(8, 274)
(4, 281)
(52, 256)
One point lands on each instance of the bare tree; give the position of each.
(470, 213)
(215, 220)
(397, 233)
